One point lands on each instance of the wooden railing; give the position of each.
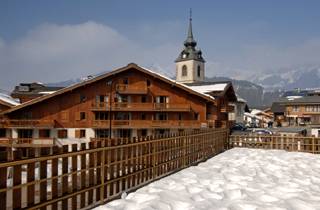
(150, 123)
(227, 109)
(132, 89)
(27, 123)
(121, 106)
(87, 175)
(296, 143)
(27, 142)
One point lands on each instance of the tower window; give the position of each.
(199, 71)
(184, 71)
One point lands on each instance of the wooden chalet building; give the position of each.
(28, 91)
(127, 102)
(132, 101)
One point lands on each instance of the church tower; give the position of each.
(190, 63)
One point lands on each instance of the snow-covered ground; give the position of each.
(239, 179)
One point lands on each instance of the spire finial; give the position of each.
(190, 14)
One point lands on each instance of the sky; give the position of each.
(52, 41)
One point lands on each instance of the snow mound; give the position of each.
(238, 179)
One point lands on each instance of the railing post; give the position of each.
(184, 136)
(102, 170)
(313, 145)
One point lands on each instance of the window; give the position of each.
(2, 132)
(82, 133)
(62, 134)
(83, 98)
(125, 81)
(161, 116)
(180, 116)
(25, 133)
(82, 115)
(162, 99)
(184, 71)
(295, 108)
(123, 116)
(143, 116)
(44, 133)
(199, 71)
(143, 132)
(196, 116)
(148, 83)
(101, 116)
(102, 133)
(143, 99)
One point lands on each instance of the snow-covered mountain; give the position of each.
(288, 79)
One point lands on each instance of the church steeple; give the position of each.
(190, 63)
(190, 41)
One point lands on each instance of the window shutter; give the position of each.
(77, 115)
(64, 115)
(77, 133)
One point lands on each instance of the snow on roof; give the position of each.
(46, 92)
(247, 114)
(239, 99)
(8, 99)
(255, 111)
(209, 88)
(174, 81)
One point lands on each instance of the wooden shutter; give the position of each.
(77, 133)
(77, 115)
(64, 116)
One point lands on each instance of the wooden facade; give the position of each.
(132, 101)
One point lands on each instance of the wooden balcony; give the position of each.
(132, 89)
(148, 124)
(168, 107)
(27, 142)
(27, 123)
(227, 109)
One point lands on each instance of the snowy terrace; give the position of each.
(238, 179)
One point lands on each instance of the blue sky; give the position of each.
(57, 40)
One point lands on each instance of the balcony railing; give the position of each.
(27, 123)
(121, 106)
(27, 142)
(132, 89)
(149, 124)
(227, 109)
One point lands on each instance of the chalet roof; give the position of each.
(108, 74)
(204, 86)
(241, 100)
(210, 88)
(215, 89)
(8, 100)
(277, 108)
(300, 100)
(34, 88)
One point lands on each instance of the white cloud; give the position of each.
(51, 53)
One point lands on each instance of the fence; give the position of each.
(294, 143)
(87, 175)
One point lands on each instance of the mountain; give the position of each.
(302, 77)
(254, 94)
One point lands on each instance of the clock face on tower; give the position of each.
(184, 55)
